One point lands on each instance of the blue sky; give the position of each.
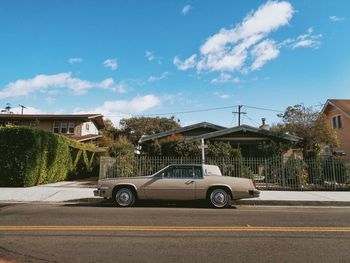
(124, 58)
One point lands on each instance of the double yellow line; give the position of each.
(177, 228)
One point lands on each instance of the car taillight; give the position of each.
(254, 183)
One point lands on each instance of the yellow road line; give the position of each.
(177, 228)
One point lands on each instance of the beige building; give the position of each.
(81, 127)
(338, 115)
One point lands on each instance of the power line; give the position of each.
(176, 112)
(266, 109)
(204, 110)
(254, 121)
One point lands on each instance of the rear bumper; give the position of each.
(254, 193)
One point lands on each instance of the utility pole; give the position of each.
(23, 107)
(239, 112)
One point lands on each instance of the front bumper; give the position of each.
(254, 193)
(99, 192)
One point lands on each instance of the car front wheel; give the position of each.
(124, 197)
(219, 198)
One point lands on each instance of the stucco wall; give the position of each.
(88, 128)
(343, 133)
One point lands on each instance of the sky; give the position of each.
(195, 60)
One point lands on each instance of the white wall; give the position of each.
(91, 130)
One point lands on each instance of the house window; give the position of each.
(87, 127)
(64, 127)
(71, 127)
(56, 127)
(336, 121)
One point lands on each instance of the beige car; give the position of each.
(178, 182)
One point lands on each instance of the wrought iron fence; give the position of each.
(272, 173)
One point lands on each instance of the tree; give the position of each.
(121, 147)
(135, 127)
(310, 125)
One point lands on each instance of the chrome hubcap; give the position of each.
(219, 198)
(124, 197)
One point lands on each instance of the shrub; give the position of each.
(31, 156)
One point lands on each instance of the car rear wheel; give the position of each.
(219, 198)
(124, 197)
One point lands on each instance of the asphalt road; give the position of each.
(102, 233)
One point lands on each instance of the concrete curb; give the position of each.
(292, 203)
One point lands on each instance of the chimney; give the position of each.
(264, 125)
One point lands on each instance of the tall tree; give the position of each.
(135, 127)
(310, 125)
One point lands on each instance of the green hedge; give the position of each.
(31, 156)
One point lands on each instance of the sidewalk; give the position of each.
(82, 191)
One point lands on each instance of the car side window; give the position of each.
(197, 172)
(179, 172)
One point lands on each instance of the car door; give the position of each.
(174, 183)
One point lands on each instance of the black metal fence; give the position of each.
(272, 173)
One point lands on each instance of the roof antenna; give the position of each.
(7, 109)
(23, 107)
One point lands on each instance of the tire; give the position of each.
(124, 197)
(219, 198)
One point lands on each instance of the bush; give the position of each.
(31, 156)
(124, 152)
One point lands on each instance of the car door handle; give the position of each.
(190, 182)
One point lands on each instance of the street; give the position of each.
(103, 233)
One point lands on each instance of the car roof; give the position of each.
(185, 165)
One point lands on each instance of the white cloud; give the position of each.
(164, 75)
(44, 83)
(263, 52)
(186, 9)
(307, 40)
(111, 63)
(75, 60)
(225, 78)
(222, 95)
(150, 56)
(118, 109)
(336, 18)
(229, 49)
(186, 64)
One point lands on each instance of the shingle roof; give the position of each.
(246, 128)
(145, 138)
(342, 105)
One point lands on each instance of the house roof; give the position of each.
(245, 128)
(146, 138)
(97, 118)
(341, 105)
